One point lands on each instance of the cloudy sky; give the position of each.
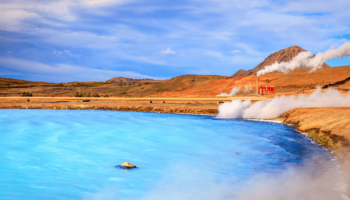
(94, 40)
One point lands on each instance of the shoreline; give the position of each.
(326, 126)
(158, 108)
(330, 127)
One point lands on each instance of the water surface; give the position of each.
(71, 154)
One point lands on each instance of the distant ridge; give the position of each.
(283, 55)
(130, 80)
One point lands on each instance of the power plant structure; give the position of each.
(263, 89)
(257, 85)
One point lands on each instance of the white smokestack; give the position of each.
(306, 59)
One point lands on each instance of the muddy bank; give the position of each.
(328, 126)
(160, 108)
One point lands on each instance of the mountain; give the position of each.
(131, 80)
(283, 55)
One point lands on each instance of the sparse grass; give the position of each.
(124, 90)
(80, 84)
(161, 90)
(26, 94)
(77, 94)
(321, 138)
(333, 142)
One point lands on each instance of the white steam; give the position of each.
(321, 181)
(247, 89)
(307, 60)
(299, 183)
(234, 91)
(278, 105)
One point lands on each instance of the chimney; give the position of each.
(257, 84)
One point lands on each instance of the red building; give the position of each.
(265, 89)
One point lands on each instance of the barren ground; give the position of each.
(189, 85)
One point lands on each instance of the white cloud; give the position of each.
(16, 15)
(256, 28)
(168, 51)
(75, 73)
(103, 2)
(60, 53)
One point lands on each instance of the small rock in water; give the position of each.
(126, 165)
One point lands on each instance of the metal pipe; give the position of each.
(257, 84)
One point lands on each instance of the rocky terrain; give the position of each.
(283, 55)
(292, 83)
(328, 126)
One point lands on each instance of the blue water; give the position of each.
(70, 154)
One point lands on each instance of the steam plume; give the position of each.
(300, 183)
(307, 60)
(312, 181)
(234, 91)
(278, 105)
(247, 89)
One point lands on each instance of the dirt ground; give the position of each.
(328, 126)
(184, 108)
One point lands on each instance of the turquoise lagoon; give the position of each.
(71, 154)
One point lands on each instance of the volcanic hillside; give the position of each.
(177, 84)
(131, 80)
(295, 82)
(119, 86)
(16, 83)
(193, 85)
(283, 55)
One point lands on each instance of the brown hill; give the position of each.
(118, 86)
(337, 77)
(177, 84)
(131, 80)
(283, 55)
(17, 83)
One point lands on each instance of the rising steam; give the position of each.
(278, 105)
(247, 89)
(307, 60)
(234, 91)
(321, 181)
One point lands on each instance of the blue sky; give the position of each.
(94, 40)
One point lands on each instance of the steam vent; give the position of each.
(126, 165)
